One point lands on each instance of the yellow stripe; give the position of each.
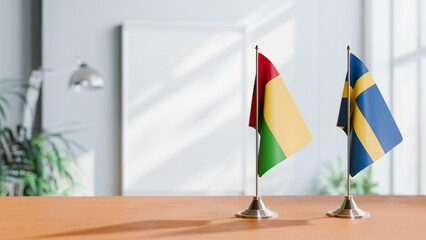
(352, 100)
(366, 135)
(345, 90)
(283, 118)
(363, 83)
(345, 95)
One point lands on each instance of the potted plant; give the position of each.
(36, 165)
(333, 180)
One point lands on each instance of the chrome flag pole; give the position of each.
(257, 208)
(257, 121)
(348, 209)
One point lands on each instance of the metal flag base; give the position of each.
(348, 209)
(257, 209)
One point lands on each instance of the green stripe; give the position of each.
(270, 152)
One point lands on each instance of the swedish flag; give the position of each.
(373, 129)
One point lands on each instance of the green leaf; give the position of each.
(2, 113)
(4, 101)
(30, 181)
(47, 160)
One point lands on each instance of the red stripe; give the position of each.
(267, 72)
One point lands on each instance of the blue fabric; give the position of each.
(377, 114)
(359, 156)
(357, 69)
(342, 120)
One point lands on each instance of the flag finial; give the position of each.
(257, 47)
(348, 48)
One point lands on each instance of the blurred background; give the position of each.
(172, 116)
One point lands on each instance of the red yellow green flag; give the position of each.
(281, 127)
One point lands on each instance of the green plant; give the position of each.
(35, 166)
(10, 87)
(333, 181)
(39, 165)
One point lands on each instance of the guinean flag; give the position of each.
(281, 127)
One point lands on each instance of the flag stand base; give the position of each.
(348, 209)
(257, 209)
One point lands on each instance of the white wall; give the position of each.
(15, 47)
(305, 39)
(377, 57)
(340, 23)
(402, 170)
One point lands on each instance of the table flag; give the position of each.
(281, 127)
(374, 131)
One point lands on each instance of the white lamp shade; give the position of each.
(86, 77)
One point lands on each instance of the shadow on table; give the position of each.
(238, 225)
(130, 227)
(199, 226)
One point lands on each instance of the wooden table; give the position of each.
(301, 217)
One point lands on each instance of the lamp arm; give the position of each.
(58, 70)
(31, 100)
(47, 71)
(33, 93)
(84, 76)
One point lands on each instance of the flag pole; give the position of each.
(348, 209)
(257, 208)
(348, 125)
(257, 122)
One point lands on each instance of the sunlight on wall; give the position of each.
(405, 113)
(405, 22)
(197, 93)
(394, 47)
(188, 92)
(207, 50)
(265, 13)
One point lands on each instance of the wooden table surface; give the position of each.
(301, 217)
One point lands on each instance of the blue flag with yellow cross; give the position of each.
(373, 130)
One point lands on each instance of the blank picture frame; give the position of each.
(184, 110)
